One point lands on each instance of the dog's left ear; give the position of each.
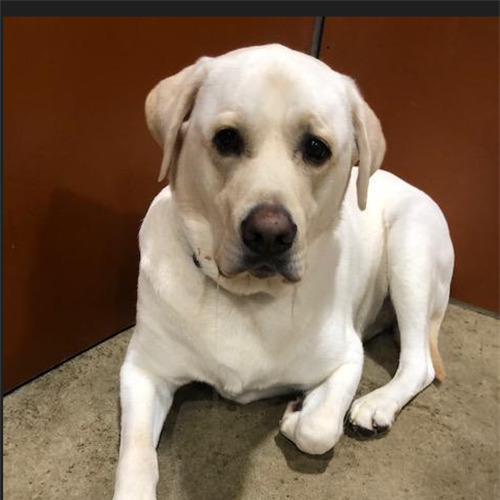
(370, 142)
(167, 107)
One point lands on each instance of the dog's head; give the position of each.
(258, 145)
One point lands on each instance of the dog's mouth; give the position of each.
(268, 270)
(263, 269)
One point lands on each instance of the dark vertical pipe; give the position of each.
(317, 36)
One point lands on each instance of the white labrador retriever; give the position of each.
(265, 263)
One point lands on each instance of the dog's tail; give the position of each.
(437, 360)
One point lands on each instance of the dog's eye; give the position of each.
(315, 151)
(228, 141)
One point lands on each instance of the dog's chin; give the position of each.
(243, 283)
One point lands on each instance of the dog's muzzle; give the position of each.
(268, 233)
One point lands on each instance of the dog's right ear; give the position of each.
(167, 107)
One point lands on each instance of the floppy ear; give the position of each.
(167, 107)
(370, 142)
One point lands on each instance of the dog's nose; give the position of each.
(268, 230)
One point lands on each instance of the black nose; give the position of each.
(268, 230)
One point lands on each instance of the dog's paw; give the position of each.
(135, 492)
(135, 495)
(137, 476)
(372, 415)
(311, 433)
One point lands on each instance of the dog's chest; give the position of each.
(244, 346)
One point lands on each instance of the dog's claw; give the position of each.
(362, 432)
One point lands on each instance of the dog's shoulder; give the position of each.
(161, 240)
(387, 191)
(159, 223)
(165, 256)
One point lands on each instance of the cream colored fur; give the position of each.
(252, 338)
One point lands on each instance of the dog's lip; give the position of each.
(261, 271)
(227, 275)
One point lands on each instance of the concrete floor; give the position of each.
(61, 434)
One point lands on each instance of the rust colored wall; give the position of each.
(434, 83)
(80, 167)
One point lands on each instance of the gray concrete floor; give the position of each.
(61, 434)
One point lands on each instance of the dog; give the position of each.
(266, 261)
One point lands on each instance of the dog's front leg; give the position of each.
(145, 401)
(317, 426)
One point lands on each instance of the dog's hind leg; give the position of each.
(420, 262)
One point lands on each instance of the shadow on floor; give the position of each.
(384, 351)
(208, 441)
(213, 441)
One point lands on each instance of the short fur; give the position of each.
(355, 248)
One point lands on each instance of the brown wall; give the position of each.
(80, 167)
(434, 83)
